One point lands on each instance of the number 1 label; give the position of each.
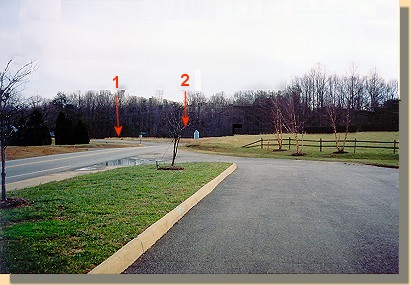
(116, 80)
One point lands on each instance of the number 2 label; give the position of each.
(185, 81)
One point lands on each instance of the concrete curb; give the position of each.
(129, 253)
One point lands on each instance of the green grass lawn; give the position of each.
(232, 145)
(73, 225)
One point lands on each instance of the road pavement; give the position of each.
(22, 169)
(286, 216)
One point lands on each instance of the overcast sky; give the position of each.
(223, 45)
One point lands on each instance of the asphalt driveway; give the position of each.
(286, 216)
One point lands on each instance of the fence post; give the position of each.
(395, 144)
(261, 143)
(289, 143)
(268, 146)
(355, 144)
(321, 145)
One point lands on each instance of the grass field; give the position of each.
(74, 225)
(232, 145)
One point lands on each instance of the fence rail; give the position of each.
(394, 145)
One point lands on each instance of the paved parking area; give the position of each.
(286, 216)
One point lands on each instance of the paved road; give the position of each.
(21, 169)
(285, 216)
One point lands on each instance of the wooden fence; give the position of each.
(321, 144)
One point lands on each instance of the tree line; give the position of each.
(313, 102)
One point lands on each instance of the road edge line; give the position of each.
(129, 253)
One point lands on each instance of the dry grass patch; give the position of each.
(18, 152)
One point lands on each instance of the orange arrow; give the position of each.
(117, 128)
(185, 117)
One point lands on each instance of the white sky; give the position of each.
(228, 45)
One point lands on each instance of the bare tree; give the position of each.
(375, 87)
(268, 111)
(11, 83)
(293, 127)
(334, 102)
(295, 121)
(391, 90)
(244, 98)
(218, 105)
(346, 98)
(307, 92)
(35, 101)
(176, 128)
(320, 79)
(352, 88)
(278, 119)
(196, 103)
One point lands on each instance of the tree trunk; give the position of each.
(279, 131)
(333, 119)
(297, 143)
(337, 140)
(280, 140)
(3, 166)
(347, 126)
(175, 149)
